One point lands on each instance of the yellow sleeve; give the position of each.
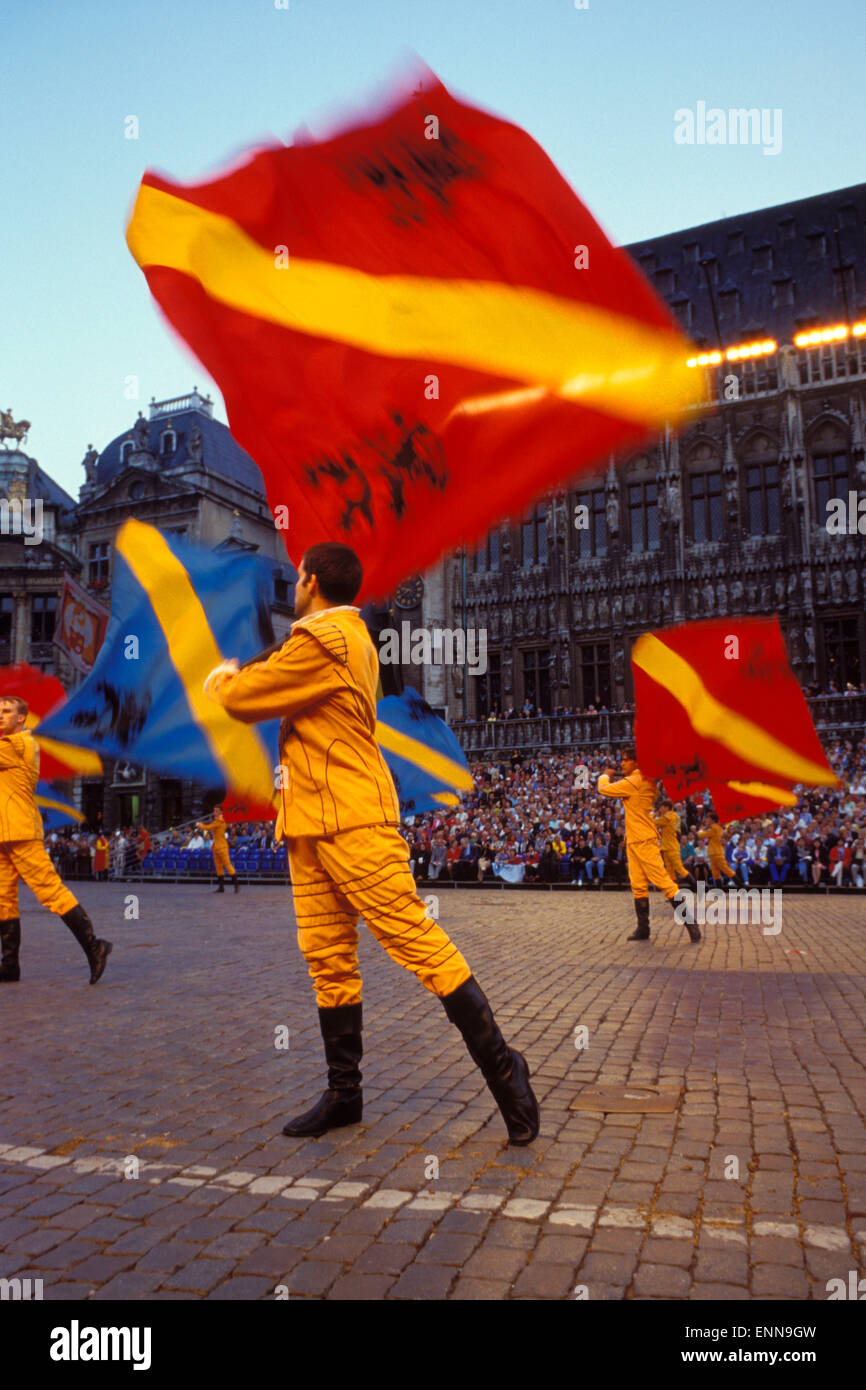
(299, 675)
(703, 834)
(206, 824)
(621, 788)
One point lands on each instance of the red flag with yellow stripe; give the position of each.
(58, 761)
(416, 325)
(718, 706)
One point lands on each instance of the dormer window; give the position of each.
(125, 450)
(167, 443)
(665, 281)
(762, 259)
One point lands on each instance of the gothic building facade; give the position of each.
(727, 517)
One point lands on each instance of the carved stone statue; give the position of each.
(708, 597)
(851, 581)
(821, 584)
(796, 643)
(193, 443)
(810, 643)
(619, 666)
(779, 589)
(140, 433)
(836, 586)
(612, 513)
(603, 611)
(88, 463)
(532, 620)
(722, 597)
(694, 600)
(765, 593)
(674, 500)
(752, 592)
(590, 611)
(494, 625)
(629, 604)
(617, 610)
(736, 594)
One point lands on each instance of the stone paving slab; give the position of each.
(140, 1147)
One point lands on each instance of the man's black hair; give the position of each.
(629, 752)
(337, 568)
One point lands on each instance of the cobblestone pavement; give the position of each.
(173, 1065)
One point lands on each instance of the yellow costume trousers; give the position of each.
(645, 862)
(221, 861)
(719, 867)
(673, 862)
(365, 873)
(28, 859)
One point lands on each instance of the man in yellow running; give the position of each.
(638, 794)
(221, 861)
(712, 833)
(22, 850)
(668, 825)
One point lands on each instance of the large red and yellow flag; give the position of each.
(718, 706)
(45, 695)
(417, 326)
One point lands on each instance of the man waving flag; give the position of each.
(416, 325)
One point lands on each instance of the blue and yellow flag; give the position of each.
(53, 809)
(177, 611)
(423, 756)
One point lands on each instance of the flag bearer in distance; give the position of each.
(645, 864)
(22, 850)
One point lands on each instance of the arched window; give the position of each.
(762, 486)
(705, 513)
(125, 450)
(828, 449)
(167, 443)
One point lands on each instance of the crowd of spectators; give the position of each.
(540, 819)
(78, 854)
(531, 711)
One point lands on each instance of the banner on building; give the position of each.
(80, 626)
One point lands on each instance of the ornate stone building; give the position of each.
(31, 570)
(727, 517)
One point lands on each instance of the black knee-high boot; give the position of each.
(693, 930)
(504, 1068)
(10, 940)
(642, 930)
(343, 1102)
(96, 951)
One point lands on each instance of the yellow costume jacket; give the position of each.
(322, 681)
(19, 773)
(217, 827)
(713, 836)
(638, 795)
(669, 827)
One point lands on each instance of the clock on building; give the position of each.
(410, 592)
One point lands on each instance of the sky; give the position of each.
(598, 87)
